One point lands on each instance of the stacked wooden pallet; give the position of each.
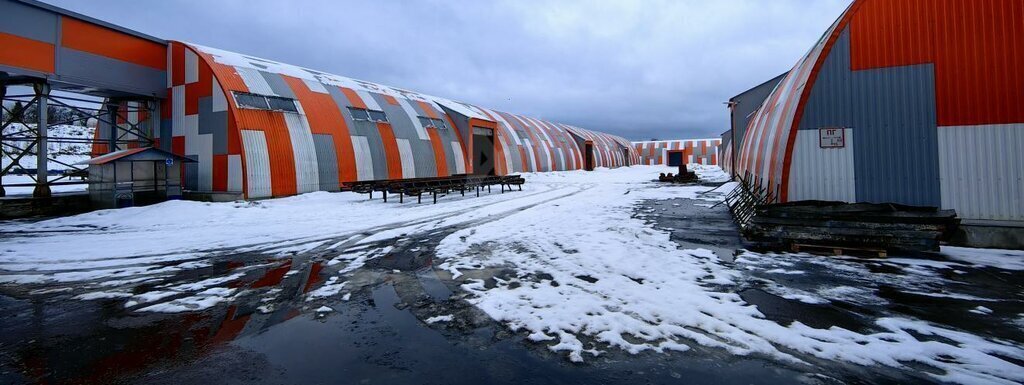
(857, 227)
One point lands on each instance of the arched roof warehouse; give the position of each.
(260, 128)
(271, 129)
(929, 95)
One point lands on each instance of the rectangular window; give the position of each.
(426, 122)
(440, 124)
(246, 100)
(378, 116)
(359, 114)
(267, 103)
(282, 104)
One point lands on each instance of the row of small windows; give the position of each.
(432, 122)
(261, 102)
(274, 103)
(369, 115)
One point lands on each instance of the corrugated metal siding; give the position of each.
(823, 173)
(327, 162)
(364, 161)
(977, 46)
(982, 171)
(257, 164)
(892, 113)
(763, 157)
(409, 160)
(699, 151)
(254, 81)
(460, 162)
(235, 173)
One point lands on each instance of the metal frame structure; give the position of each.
(29, 140)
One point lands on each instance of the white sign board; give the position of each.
(832, 137)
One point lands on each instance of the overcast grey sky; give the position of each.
(645, 69)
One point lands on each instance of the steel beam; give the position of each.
(42, 189)
(112, 105)
(3, 94)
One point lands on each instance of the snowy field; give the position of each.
(580, 272)
(65, 154)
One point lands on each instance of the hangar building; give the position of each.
(695, 151)
(259, 128)
(917, 102)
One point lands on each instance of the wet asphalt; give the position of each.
(273, 333)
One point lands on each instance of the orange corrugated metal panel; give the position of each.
(279, 147)
(353, 98)
(26, 53)
(95, 39)
(977, 48)
(427, 109)
(893, 33)
(438, 146)
(220, 172)
(394, 158)
(324, 117)
(177, 64)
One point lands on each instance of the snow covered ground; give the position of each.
(64, 154)
(568, 262)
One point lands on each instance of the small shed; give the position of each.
(135, 177)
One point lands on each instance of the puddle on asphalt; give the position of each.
(370, 340)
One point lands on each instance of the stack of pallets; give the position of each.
(844, 228)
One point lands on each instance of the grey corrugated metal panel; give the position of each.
(87, 69)
(403, 127)
(447, 136)
(363, 157)
(255, 81)
(892, 113)
(65, 12)
(307, 178)
(28, 21)
(461, 123)
(371, 133)
(257, 164)
(276, 83)
(822, 173)
(214, 123)
(982, 171)
(749, 101)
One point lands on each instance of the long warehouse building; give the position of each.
(917, 102)
(695, 151)
(259, 128)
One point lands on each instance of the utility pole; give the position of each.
(42, 176)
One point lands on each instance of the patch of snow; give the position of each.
(981, 310)
(331, 288)
(440, 318)
(102, 295)
(1002, 259)
(200, 301)
(324, 309)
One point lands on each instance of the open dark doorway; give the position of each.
(588, 156)
(625, 158)
(483, 151)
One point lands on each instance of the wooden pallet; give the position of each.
(839, 250)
